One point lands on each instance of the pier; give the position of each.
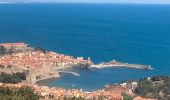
(115, 63)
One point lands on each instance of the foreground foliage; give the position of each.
(126, 97)
(156, 87)
(23, 93)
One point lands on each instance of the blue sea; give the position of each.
(138, 34)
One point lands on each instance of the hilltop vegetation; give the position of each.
(4, 51)
(157, 87)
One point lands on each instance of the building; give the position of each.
(14, 45)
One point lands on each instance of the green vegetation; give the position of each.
(70, 98)
(23, 93)
(101, 97)
(77, 98)
(2, 66)
(2, 50)
(126, 97)
(157, 87)
(12, 78)
(40, 49)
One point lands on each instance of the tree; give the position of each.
(39, 49)
(14, 78)
(126, 97)
(2, 66)
(2, 50)
(157, 87)
(23, 93)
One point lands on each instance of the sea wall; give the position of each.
(41, 74)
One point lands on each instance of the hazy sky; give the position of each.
(94, 1)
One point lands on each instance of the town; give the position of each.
(38, 64)
(35, 62)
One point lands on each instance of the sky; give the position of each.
(96, 1)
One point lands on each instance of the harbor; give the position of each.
(40, 64)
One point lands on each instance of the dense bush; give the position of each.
(157, 87)
(76, 98)
(2, 50)
(70, 98)
(126, 97)
(23, 93)
(12, 78)
(2, 66)
(39, 49)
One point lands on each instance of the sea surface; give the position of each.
(138, 34)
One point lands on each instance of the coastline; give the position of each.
(39, 64)
(41, 82)
(65, 70)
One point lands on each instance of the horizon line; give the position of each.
(62, 2)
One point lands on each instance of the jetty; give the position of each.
(115, 63)
(69, 72)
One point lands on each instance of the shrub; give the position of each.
(9, 66)
(23, 93)
(12, 78)
(2, 50)
(39, 49)
(126, 97)
(152, 88)
(2, 66)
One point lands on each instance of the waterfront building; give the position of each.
(14, 45)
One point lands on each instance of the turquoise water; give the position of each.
(137, 34)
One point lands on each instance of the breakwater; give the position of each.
(115, 63)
